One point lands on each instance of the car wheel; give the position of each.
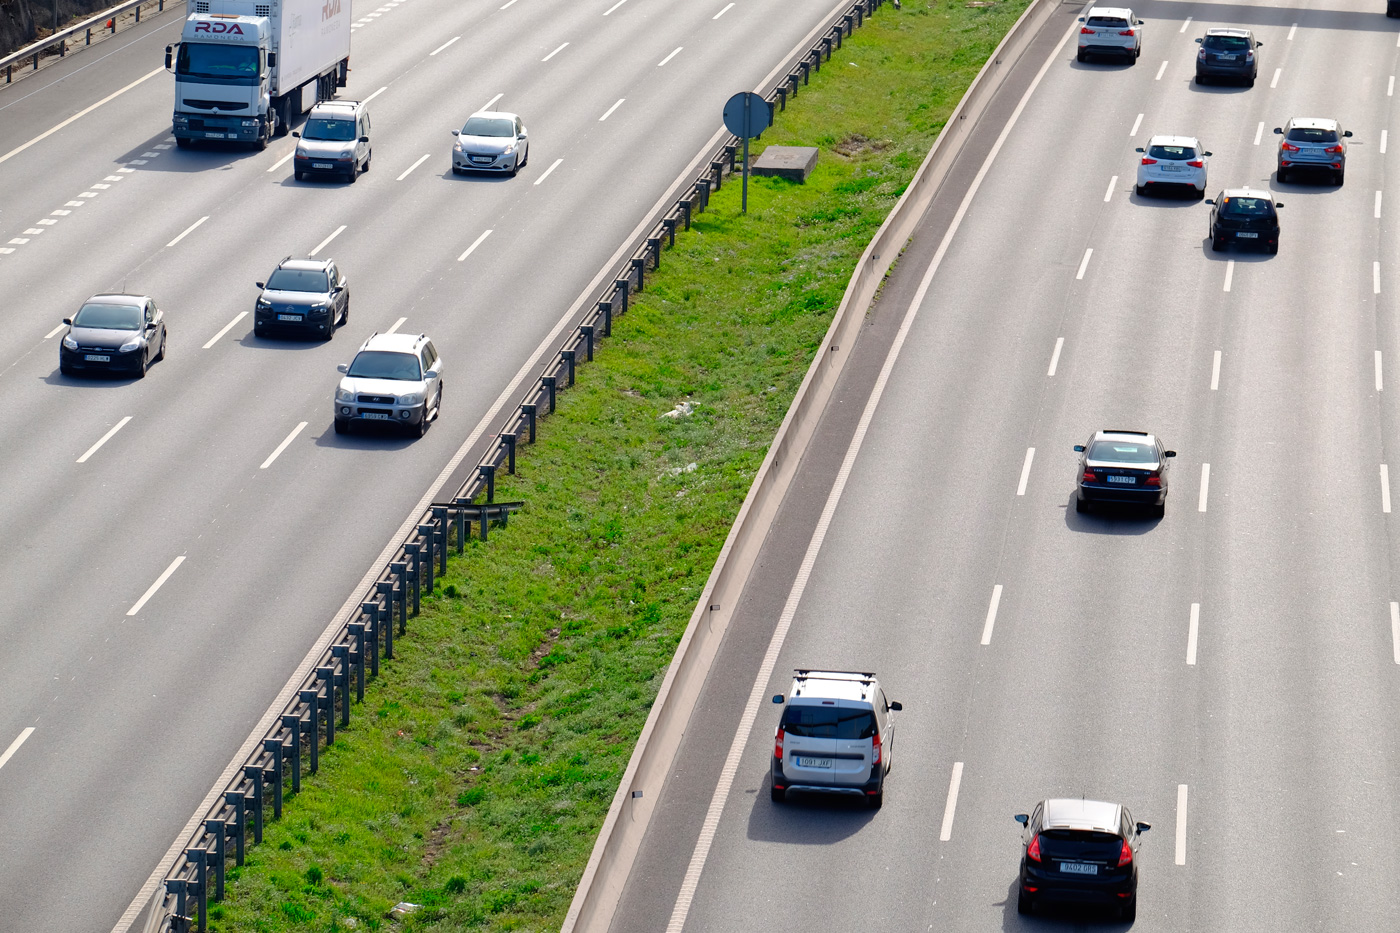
(1200, 79)
(877, 799)
(1217, 243)
(64, 369)
(353, 174)
(1282, 175)
(527, 156)
(160, 355)
(1340, 177)
(422, 427)
(261, 143)
(368, 159)
(437, 403)
(1024, 905)
(1159, 511)
(1082, 56)
(515, 167)
(1250, 81)
(260, 332)
(1128, 912)
(298, 175)
(456, 170)
(342, 426)
(777, 794)
(1081, 506)
(1201, 195)
(141, 369)
(1273, 249)
(345, 313)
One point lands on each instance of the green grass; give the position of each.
(474, 778)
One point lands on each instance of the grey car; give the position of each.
(1312, 145)
(113, 333)
(1228, 53)
(308, 296)
(395, 380)
(490, 141)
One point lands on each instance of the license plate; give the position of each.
(375, 416)
(289, 317)
(1229, 58)
(1079, 868)
(97, 358)
(216, 135)
(321, 165)
(1248, 236)
(1127, 480)
(814, 762)
(1171, 168)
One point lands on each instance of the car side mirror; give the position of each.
(777, 698)
(169, 52)
(523, 133)
(433, 373)
(1210, 200)
(1143, 827)
(364, 139)
(1138, 22)
(296, 133)
(1258, 45)
(1170, 453)
(1346, 132)
(1079, 448)
(1278, 130)
(1023, 818)
(1138, 149)
(456, 132)
(68, 321)
(1081, 19)
(260, 285)
(150, 325)
(342, 367)
(896, 706)
(1278, 204)
(272, 59)
(1209, 153)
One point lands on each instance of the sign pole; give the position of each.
(743, 198)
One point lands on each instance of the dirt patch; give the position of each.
(856, 145)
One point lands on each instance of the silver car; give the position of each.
(1172, 163)
(1110, 30)
(334, 141)
(1312, 144)
(395, 379)
(490, 141)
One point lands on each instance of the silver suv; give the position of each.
(394, 379)
(836, 736)
(1314, 144)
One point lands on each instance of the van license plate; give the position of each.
(289, 317)
(814, 762)
(96, 358)
(1079, 868)
(1126, 480)
(1247, 236)
(321, 165)
(375, 416)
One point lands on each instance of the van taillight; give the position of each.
(1125, 857)
(778, 744)
(875, 744)
(1033, 852)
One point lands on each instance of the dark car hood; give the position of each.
(294, 299)
(101, 337)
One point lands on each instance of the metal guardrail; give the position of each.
(60, 38)
(292, 747)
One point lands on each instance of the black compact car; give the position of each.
(1123, 467)
(306, 296)
(1244, 217)
(1079, 852)
(1228, 53)
(113, 333)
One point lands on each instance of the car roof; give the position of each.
(1229, 31)
(122, 296)
(813, 686)
(1120, 11)
(315, 265)
(335, 108)
(1190, 141)
(399, 343)
(1247, 193)
(1075, 813)
(1313, 123)
(495, 113)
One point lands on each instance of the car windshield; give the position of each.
(1246, 207)
(829, 722)
(383, 364)
(206, 60)
(1123, 452)
(1311, 134)
(489, 126)
(1226, 43)
(1171, 152)
(298, 280)
(338, 131)
(1107, 22)
(109, 317)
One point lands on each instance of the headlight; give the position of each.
(301, 153)
(346, 154)
(344, 395)
(181, 118)
(412, 398)
(70, 343)
(264, 305)
(250, 122)
(131, 344)
(509, 149)
(456, 147)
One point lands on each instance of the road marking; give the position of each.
(991, 615)
(1384, 134)
(475, 243)
(555, 52)
(509, 4)
(100, 187)
(375, 94)
(1112, 182)
(188, 230)
(1380, 386)
(493, 100)
(283, 161)
(14, 746)
(448, 43)
(1390, 87)
(1376, 277)
(326, 242)
(723, 11)
(413, 166)
(1291, 31)
(548, 170)
(1205, 487)
(1181, 824)
(1192, 633)
(1184, 25)
(1215, 372)
(160, 581)
(1161, 71)
(74, 203)
(59, 213)
(1378, 205)
(104, 439)
(1084, 263)
(88, 194)
(282, 446)
(1395, 629)
(1385, 489)
(397, 324)
(611, 109)
(671, 56)
(80, 114)
(226, 328)
(1229, 273)
(1055, 356)
(614, 6)
(54, 333)
(1025, 471)
(1277, 72)
(946, 832)
(1259, 133)
(1136, 123)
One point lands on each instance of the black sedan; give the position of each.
(1078, 851)
(1244, 217)
(1122, 466)
(113, 333)
(306, 296)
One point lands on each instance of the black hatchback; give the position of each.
(1228, 53)
(1244, 217)
(1079, 852)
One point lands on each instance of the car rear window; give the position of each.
(1246, 207)
(298, 280)
(1226, 43)
(1171, 152)
(1309, 134)
(829, 722)
(1089, 836)
(1123, 452)
(1107, 22)
(385, 364)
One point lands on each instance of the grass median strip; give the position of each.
(474, 779)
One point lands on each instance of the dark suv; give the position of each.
(308, 296)
(1079, 852)
(1245, 217)
(1228, 53)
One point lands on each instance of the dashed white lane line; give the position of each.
(1112, 183)
(1205, 487)
(548, 170)
(283, 446)
(375, 94)
(449, 43)
(1292, 30)
(327, 241)
(1215, 372)
(509, 4)
(475, 243)
(490, 103)
(1084, 263)
(723, 11)
(104, 439)
(160, 581)
(1385, 489)
(1184, 25)
(951, 806)
(991, 615)
(188, 230)
(1055, 356)
(1380, 384)
(226, 328)
(1025, 471)
(282, 161)
(611, 109)
(1193, 633)
(614, 7)
(1136, 123)
(671, 56)
(1390, 87)
(1397, 42)
(555, 52)
(1229, 273)
(1395, 630)
(79, 115)
(406, 171)
(397, 324)
(14, 746)
(1181, 824)
(1378, 205)
(1277, 72)
(59, 329)
(1376, 278)
(1384, 135)
(1259, 133)
(1161, 71)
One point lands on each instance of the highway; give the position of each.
(173, 546)
(1228, 672)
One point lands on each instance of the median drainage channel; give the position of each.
(450, 759)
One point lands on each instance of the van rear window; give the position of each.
(828, 722)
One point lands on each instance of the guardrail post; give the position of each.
(415, 567)
(341, 670)
(826, 47)
(605, 308)
(488, 470)
(440, 529)
(669, 225)
(312, 699)
(485, 520)
(782, 97)
(510, 452)
(528, 409)
(654, 247)
(717, 167)
(63, 53)
(806, 67)
(326, 675)
(399, 569)
(234, 798)
(685, 208)
(587, 331)
(274, 748)
(550, 383)
(357, 658)
(371, 610)
(138, 14)
(219, 830)
(292, 722)
(460, 514)
(177, 886)
(254, 773)
(429, 558)
(195, 857)
(730, 153)
(640, 265)
(623, 285)
(702, 192)
(568, 356)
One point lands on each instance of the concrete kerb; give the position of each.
(600, 889)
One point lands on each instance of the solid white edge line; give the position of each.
(1215, 372)
(283, 161)
(397, 324)
(443, 46)
(1385, 489)
(375, 94)
(991, 615)
(475, 243)
(80, 114)
(671, 56)
(54, 333)
(722, 12)
(327, 241)
(194, 226)
(555, 52)
(1192, 633)
(283, 446)
(611, 109)
(1277, 72)
(160, 581)
(1229, 273)
(104, 439)
(28, 731)
(1084, 263)
(227, 327)
(1380, 383)
(1395, 629)
(1181, 824)
(547, 171)
(1055, 356)
(1025, 471)
(614, 6)
(413, 166)
(1136, 123)
(493, 100)
(1112, 183)
(950, 806)
(1184, 25)
(1259, 133)
(1291, 31)
(1205, 487)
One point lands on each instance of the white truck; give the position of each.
(241, 66)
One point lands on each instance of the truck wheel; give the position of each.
(282, 113)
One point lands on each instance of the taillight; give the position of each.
(1090, 477)
(1033, 852)
(1126, 856)
(1126, 32)
(1197, 164)
(1289, 147)
(1147, 161)
(1086, 31)
(1154, 479)
(778, 744)
(1334, 149)
(875, 755)
(1249, 56)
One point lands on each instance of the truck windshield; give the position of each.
(205, 60)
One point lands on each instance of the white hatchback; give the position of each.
(1110, 30)
(1172, 163)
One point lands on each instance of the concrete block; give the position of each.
(792, 162)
